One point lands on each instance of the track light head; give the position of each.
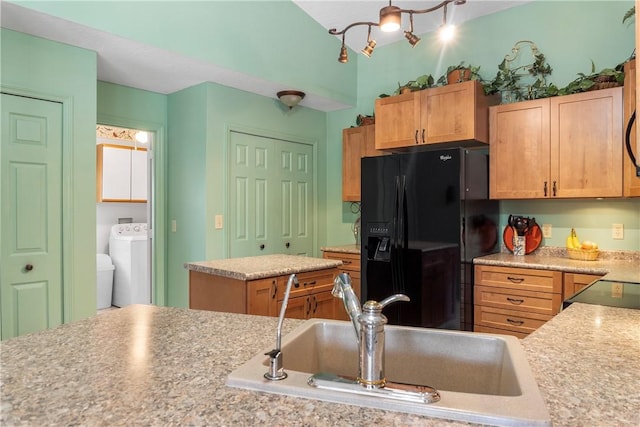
(412, 38)
(344, 58)
(390, 18)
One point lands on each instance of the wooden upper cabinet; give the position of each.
(630, 180)
(586, 144)
(397, 121)
(519, 150)
(357, 143)
(457, 112)
(452, 113)
(561, 147)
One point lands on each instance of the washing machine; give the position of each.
(129, 254)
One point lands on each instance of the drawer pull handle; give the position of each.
(310, 283)
(515, 322)
(515, 279)
(515, 301)
(345, 262)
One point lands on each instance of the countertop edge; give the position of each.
(619, 270)
(261, 267)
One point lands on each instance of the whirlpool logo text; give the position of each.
(445, 158)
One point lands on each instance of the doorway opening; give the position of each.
(124, 216)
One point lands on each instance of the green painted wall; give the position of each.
(265, 39)
(140, 109)
(43, 69)
(569, 33)
(200, 118)
(186, 186)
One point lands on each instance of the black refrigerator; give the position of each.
(425, 216)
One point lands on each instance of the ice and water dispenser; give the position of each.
(378, 241)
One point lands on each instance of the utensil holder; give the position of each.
(519, 244)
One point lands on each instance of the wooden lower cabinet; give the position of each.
(261, 297)
(311, 298)
(515, 301)
(574, 282)
(351, 266)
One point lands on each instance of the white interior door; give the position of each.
(31, 216)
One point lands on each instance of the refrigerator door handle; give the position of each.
(395, 237)
(401, 234)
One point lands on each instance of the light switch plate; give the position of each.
(617, 232)
(546, 231)
(219, 222)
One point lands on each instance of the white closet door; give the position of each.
(139, 175)
(116, 174)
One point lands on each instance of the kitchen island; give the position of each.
(157, 366)
(256, 285)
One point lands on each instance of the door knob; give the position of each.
(287, 244)
(28, 267)
(262, 247)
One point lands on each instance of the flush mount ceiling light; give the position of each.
(391, 20)
(291, 98)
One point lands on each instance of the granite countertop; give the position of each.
(259, 267)
(347, 249)
(148, 365)
(623, 266)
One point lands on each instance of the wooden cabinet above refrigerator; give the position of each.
(453, 113)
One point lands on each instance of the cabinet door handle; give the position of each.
(315, 302)
(416, 137)
(423, 140)
(274, 286)
(515, 322)
(515, 279)
(545, 189)
(515, 301)
(555, 189)
(308, 306)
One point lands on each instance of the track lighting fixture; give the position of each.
(391, 20)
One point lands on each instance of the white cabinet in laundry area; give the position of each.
(122, 174)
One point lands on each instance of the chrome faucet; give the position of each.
(368, 323)
(276, 370)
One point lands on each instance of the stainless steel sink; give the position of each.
(482, 378)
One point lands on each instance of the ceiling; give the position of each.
(163, 71)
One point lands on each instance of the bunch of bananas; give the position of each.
(574, 243)
(572, 240)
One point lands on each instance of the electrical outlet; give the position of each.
(617, 232)
(616, 290)
(546, 231)
(173, 225)
(219, 222)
